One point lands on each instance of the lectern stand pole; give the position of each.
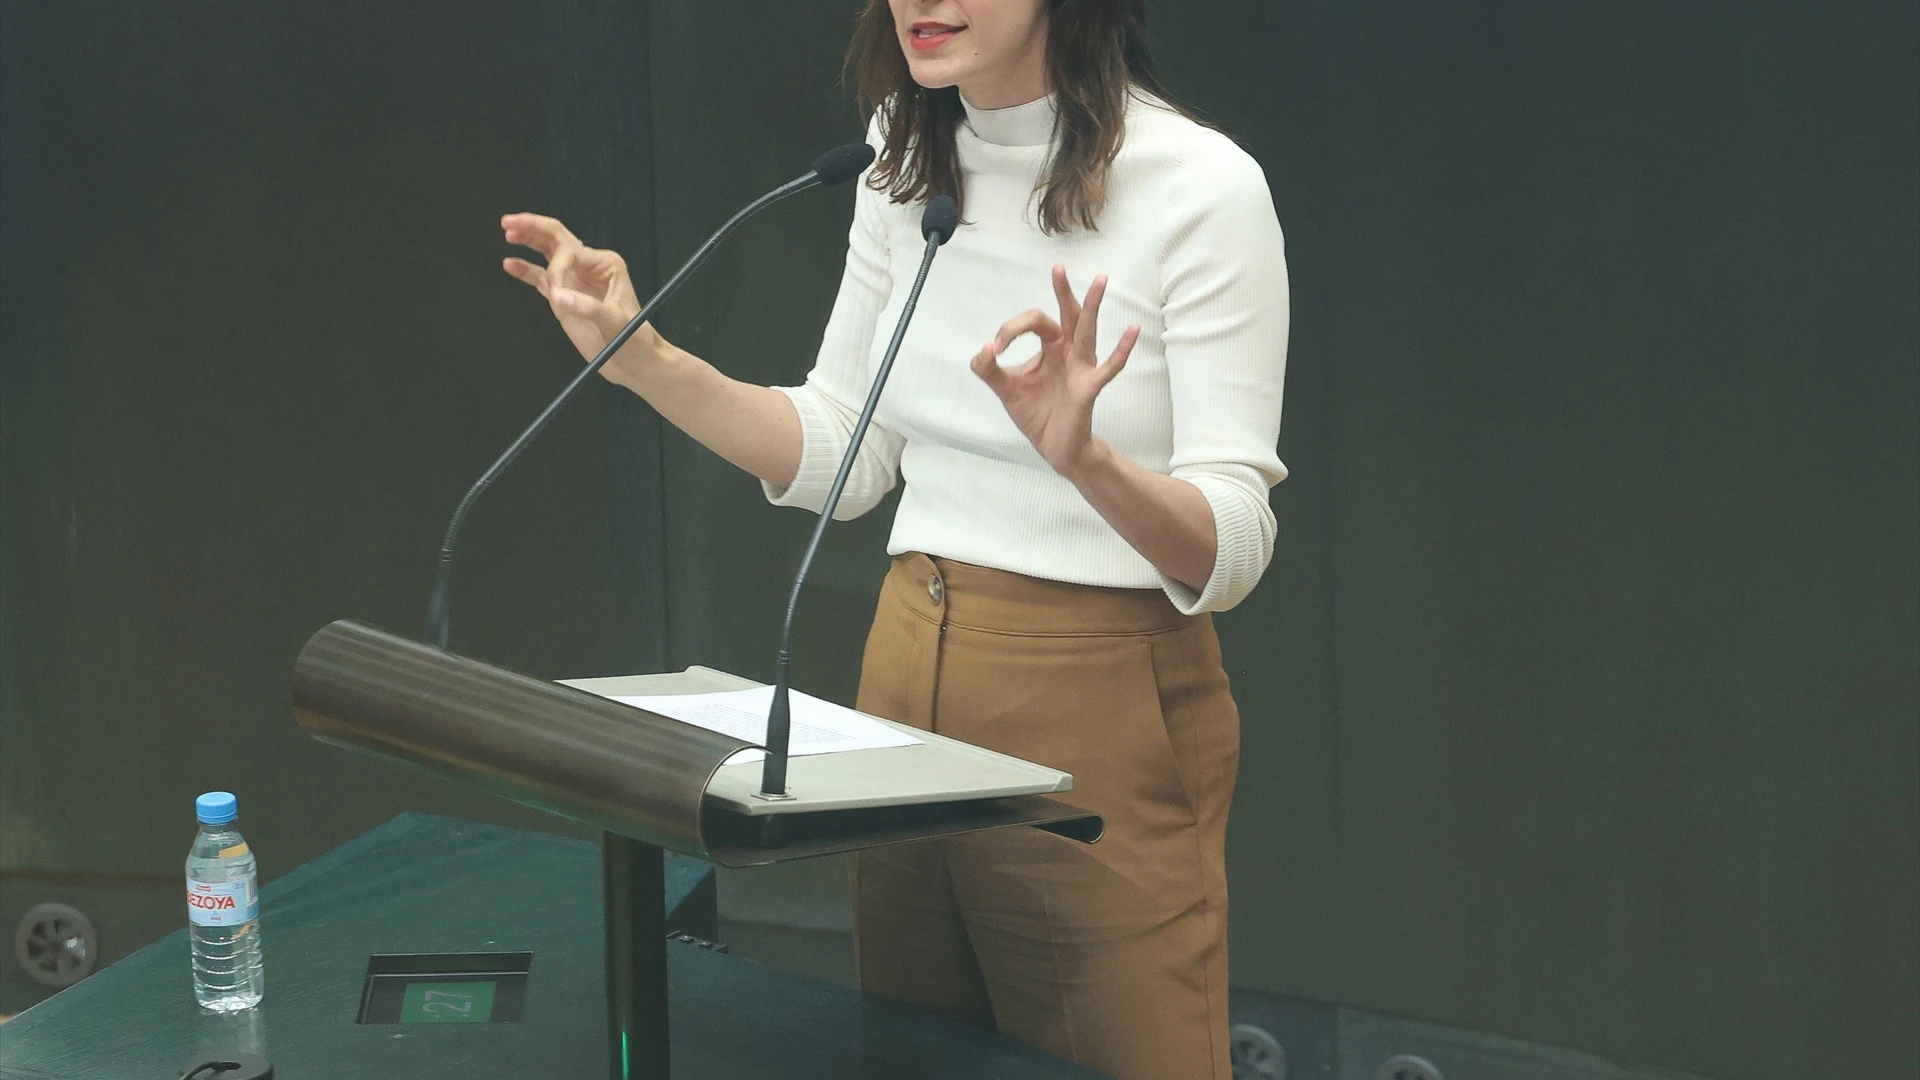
(634, 884)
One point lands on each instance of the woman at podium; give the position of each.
(1084, 414)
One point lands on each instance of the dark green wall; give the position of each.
(727, 130)
(1582, 700)
(1608, 329)
(256, 340)
(1618, 358)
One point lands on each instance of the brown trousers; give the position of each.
(1113, 955)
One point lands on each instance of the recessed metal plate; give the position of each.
(445, 988)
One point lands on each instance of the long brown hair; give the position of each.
(1097, 54)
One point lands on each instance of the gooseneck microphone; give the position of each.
(836, 166)
(937, 224)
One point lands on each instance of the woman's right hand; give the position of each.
(587, 288)
(589, 291)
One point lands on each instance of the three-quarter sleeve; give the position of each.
(1225, 306)
(830, 401)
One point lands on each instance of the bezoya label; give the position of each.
(222, 903)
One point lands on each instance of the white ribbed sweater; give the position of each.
(1193, 253)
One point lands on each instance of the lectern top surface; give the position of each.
(935, 770)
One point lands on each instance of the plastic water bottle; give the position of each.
(223, 910)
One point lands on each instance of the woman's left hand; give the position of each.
(1050, 397)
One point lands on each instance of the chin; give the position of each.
(936, 74)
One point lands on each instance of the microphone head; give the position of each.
(842, 163)
(940, 218)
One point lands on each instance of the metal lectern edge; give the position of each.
(528, 740)
(579, 755)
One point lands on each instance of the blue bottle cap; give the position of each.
(216, 808)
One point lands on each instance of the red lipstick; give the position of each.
(928, 36)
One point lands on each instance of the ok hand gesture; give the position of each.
(1050, 397)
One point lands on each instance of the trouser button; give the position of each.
(936, 589)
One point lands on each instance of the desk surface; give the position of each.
(428, 884)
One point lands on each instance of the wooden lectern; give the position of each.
(651, 783)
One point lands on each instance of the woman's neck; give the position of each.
(991, 101)
(1017, 83)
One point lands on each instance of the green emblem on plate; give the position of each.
(447, 1003)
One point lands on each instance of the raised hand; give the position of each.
(1050, 397)
(588, 288)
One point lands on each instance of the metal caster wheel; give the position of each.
(57, 946)
(1256, 1054)
(1409, 1067)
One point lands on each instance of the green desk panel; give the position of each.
(428, 884)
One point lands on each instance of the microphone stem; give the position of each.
(773, 773)
(438, 615)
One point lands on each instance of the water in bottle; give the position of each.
(223, 910)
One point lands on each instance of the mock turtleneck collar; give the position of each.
(1021, 125)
